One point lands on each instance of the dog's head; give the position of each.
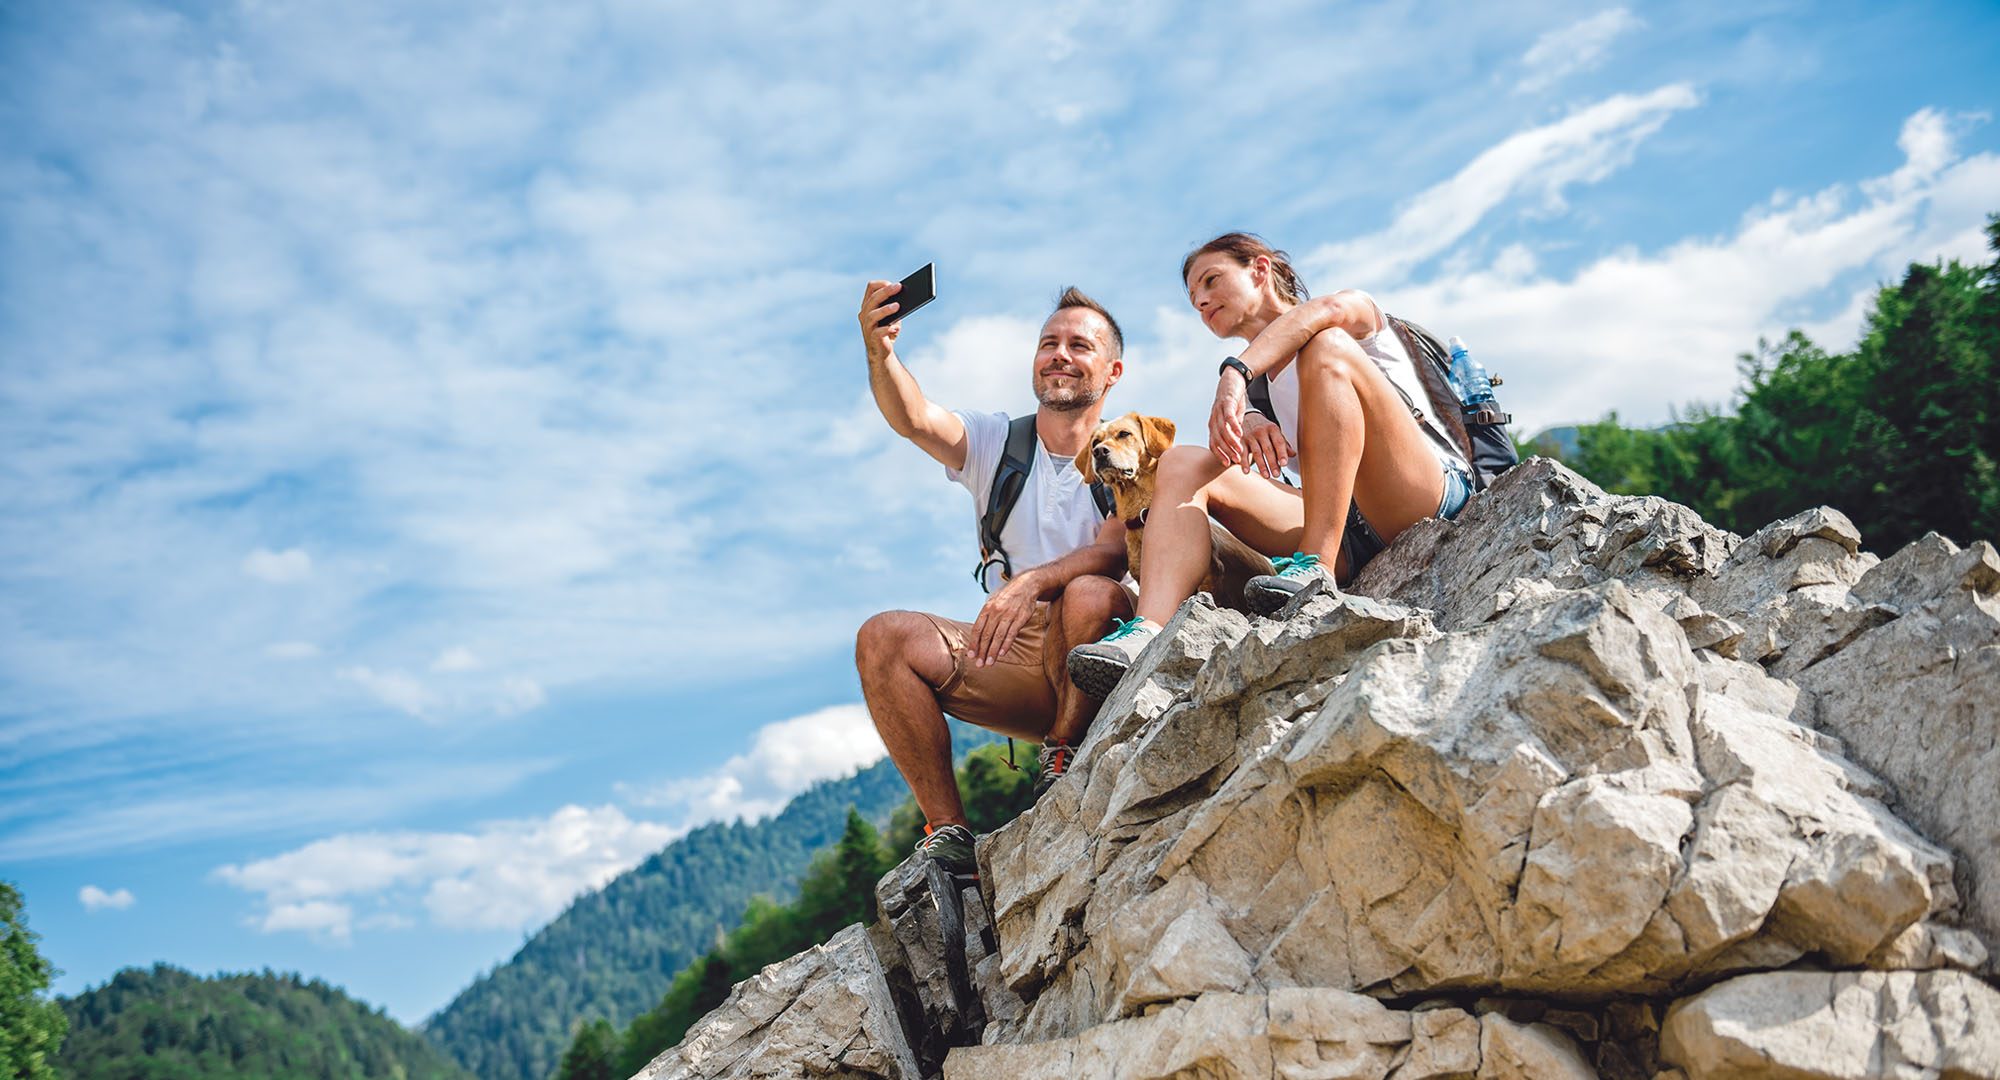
(1121, 450)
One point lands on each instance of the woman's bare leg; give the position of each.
(1176, 544)
(1192, 484)
(1358, 442)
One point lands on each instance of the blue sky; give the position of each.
(435, 460)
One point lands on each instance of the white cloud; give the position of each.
(456, 658)
(1539, 163)
(502, 875)
(406, 693)
(291, 650)
(396, 689)
(518, 695)
(784, 759)
(96, 899)
(1577, 47)
(278, 567)
(320, 919)
(1646, 332)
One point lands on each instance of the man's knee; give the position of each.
(885, 640)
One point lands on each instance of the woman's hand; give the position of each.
(1225, 421)
(1267, 444)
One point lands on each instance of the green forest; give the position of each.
(1901, 432)
(166, 1024)
(838, 889)
(615, 951)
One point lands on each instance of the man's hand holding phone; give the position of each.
(878, 325)
(884, 304)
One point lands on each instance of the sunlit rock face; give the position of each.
(1574, 785)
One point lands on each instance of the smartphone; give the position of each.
(919, 289)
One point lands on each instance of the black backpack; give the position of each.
(1484, 429)
(1010, 478)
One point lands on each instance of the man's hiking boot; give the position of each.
(1297, 574)
(950, 846)
(1055, 756)
(1097, 667)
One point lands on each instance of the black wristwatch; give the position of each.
(1238, 366)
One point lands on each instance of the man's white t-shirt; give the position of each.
(1056, 513)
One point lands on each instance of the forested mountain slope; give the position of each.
(168, 1024)
(614, 952)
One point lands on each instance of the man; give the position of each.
(1005, 669)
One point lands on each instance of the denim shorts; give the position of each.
(1360, 541)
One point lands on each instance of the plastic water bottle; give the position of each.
(1475, 387)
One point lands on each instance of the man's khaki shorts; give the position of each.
(1016, 694)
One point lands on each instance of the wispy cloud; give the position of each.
(278, 567)
(170, 796)
(516, 873)
(1537, 164)
(95, 899)
(1577, 47)
(784, 758)
(503, 875)
(1649, 331)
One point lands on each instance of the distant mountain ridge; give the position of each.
(169, 1024)
(614, 952)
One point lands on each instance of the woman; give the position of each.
(1351, 407)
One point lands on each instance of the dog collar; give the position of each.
(1138, 522)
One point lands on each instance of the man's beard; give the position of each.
(1068, 399)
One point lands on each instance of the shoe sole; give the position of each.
(1095, 675)
(1268, 602)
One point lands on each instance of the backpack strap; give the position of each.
(1260, 397)
(1100, 492)
(1485, 430)
(1010, 478)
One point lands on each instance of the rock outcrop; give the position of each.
(1575, 785)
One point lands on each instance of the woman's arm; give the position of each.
(1349, 309)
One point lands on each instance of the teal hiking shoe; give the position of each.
(1296, 574)
(951, 848)
(1097, 667)
(1055, 756)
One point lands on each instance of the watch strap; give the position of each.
(1239, 367)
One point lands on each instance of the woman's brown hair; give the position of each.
(1244, 248)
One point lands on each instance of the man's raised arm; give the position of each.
(910, 414)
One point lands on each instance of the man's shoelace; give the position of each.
(1054, 759)
(938, 836)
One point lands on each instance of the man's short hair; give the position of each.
(1073, 297)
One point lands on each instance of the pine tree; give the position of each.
(592, 1055)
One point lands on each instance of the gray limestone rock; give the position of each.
(823, 1013)
(1807, 1025)
(1539, 773)
(1917, 701)
(1541, 522)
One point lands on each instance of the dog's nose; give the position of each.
(1101, 452)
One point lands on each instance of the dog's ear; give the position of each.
(1083, 466)
(1159, 434)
